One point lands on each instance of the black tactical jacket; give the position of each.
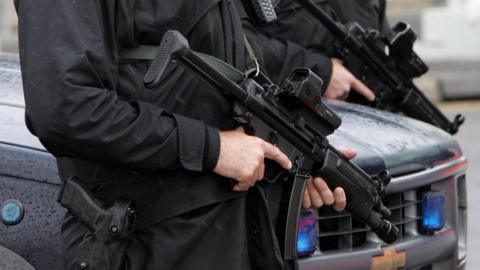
(90, 109)
(155, 146)
(297, 27)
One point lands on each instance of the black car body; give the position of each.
(420, 157)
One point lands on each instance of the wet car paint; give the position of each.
(405, 145)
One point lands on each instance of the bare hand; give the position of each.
(317, 193)
(242, 158)
(342, 81)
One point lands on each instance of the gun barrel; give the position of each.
(384, 229)
(417, 105)
(362, 194)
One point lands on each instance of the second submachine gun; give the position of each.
(387, 65)
(294, 118)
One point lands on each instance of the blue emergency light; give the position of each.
(307, 234)
(433, 206)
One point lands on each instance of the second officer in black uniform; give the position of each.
(295, 29)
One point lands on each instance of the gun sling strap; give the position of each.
(147, 52)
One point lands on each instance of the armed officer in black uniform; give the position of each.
(296, 27)
(174, 150)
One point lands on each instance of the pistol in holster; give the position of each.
(109, 228)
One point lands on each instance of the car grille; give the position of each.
(341, 231)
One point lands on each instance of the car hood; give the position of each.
(10, 80)
(391, 141)
(12, 121)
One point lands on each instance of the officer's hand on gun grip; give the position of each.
(342, 81)
(242, 158)
(317, 193)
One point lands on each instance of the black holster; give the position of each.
(103, 247)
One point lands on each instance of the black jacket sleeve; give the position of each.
(69, 60)
(280, 57)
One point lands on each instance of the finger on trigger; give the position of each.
(325, 192)
(362, 89)
(273, 153)
(340, 199)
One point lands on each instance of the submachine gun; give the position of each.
(294, 118)
(385, 65)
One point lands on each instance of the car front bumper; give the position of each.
(443, 250)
